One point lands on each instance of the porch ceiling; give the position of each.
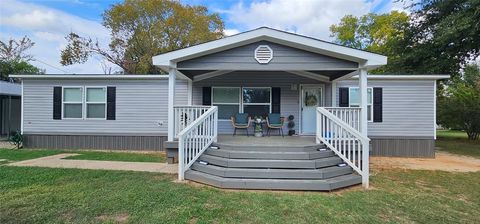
(325, 74)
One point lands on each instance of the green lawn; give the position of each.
(456, 142)
(25, 154)
(45, 195)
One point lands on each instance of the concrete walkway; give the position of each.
(57, 161)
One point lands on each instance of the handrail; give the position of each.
(343, 123)
(186, 114)
(345, 141)
(194, 139)
(350, 115)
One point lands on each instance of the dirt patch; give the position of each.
(443, 161)
(117, 218)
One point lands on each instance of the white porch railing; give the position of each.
(348, 143)
(350, 115)
(194, 139)
(185, 115)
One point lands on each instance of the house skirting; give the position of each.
(107, 142)
(403, 146)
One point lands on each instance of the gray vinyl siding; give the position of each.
(150, 143)
(408, 108)
(289, 99)
(402, 147)
(140, 105)
(284, 58)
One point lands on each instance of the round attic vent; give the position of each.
(263, 54)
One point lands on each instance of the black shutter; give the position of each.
(207, 96)
(276, 100)
(111, 102)
(377, 105)
(343, 97)
(57, 103)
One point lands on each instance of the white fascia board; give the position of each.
(369, 60)
(406, 77)
(90, 76)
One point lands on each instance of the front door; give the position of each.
(310, 100)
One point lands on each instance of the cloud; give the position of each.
(230, 32)
(306, 17)
(47, 27)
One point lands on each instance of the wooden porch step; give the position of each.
(269, 148)
(236, 154)
(275, 184)
(256, 173)
(271, 163)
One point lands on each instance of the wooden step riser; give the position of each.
(274, 184)
(264, 148)
(259, 163)
(268, 155)
(325, 173)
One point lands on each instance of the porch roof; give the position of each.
(364, 59)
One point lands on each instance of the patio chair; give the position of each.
(240, 121)
(274, 121)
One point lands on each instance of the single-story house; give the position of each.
(342, 114)
(10, 108)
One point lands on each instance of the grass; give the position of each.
(45, 195)
(456, 142)
(120, 156)
(25, 154)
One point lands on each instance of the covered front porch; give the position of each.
(268, 71)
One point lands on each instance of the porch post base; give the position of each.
(171, 148)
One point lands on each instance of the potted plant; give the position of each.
(258, 126)
(291, 125)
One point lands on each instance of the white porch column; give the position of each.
(362, 83)
(334, 93)
(190, 93)
(171, 101)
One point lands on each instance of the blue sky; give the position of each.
(47, 22)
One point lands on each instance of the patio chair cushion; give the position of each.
(274, 119)
(241, 119)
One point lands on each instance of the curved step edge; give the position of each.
(274, 184)
(322, 173)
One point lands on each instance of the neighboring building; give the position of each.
(10, 108)
(257, 72)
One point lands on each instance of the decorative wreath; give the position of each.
(310, 100)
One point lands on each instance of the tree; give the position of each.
(443, 36)
(382, 34)
(141, 29)
(14, 58)
(459, 104)
(17, 67)
(16, 50)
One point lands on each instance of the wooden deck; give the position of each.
(242, 140)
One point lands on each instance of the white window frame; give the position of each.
(87, 103)
(262, 104)
(358, 105)
(228, 87)
(72, 102)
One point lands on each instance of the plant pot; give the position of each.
(258, 134)
(291, 132)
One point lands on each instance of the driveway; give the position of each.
(57, 161)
